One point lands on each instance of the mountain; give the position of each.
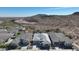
(76, 13)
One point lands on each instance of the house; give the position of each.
(20, 41)
(60, 40)
(4, 35)
(13, 30)
(41, 40)
(23, 39)
(3, 30)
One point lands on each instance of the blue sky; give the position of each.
(29, 11)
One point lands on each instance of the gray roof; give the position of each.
(4, 36)
(13, 30)
(42, 37)
(3, 31)
(23, 36)
(56, 37)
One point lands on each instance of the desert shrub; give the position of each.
(57, 30)
(69, 36)
(3, 46)
(37, 31)
(18, 33)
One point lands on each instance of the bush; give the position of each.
(37, 31)
(3, 46)
(18, 33)
(69, 36)
(57, 30)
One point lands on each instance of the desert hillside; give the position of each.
(68, 24)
